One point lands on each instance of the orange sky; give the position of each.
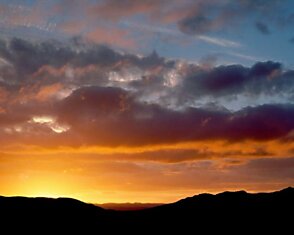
(100, 175)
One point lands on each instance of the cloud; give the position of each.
(263, 78)
(152, 78)
(160, 11)
(265, 68)
(268, 168)
(27, 57)
(48, 91)
(196, 24)
(111, 117)
(219, 41)
(172, 155)
(114, 9)
(224, 15)
(114, 118)
(172, 33)
(116, 37)
(107, 98)
(262, 28)
(102, 21)
(21, 15)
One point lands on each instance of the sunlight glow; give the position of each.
(171, 78)
(52, 123)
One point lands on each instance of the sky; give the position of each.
(145, 101)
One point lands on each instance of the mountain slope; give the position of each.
(222, 212)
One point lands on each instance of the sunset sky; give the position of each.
(145, 101)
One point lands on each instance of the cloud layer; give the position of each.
(86, 94)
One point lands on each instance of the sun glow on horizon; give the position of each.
(122, 175)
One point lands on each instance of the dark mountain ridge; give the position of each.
(223, 212)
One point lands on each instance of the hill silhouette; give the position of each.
(230, 212)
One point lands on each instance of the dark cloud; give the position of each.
(263, 122)
(220, 80)
(108, 98)
(78, 64)
(262, 28)
(262, 78)
(262, 5)
(109, 116)
(96, 101)
(195, 24)
(36, 67)
(220, 15)
(264, 69)
(27, 57)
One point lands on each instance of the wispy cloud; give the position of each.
(245, 57)
(218, 41)
(207, 39)
(149, 28)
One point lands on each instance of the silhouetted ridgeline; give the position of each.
(231, 212)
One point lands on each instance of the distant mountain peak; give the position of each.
(288, 189)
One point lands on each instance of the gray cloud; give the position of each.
(32, 66)
(27, 56)
(196, 24)
(262, 79)
(224, 15)
(111, 98)
(262, 28)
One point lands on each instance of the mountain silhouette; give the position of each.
(229, 212)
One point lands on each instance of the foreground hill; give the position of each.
(234, 212)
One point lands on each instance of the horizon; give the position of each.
(111, 205)
(111, 101)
